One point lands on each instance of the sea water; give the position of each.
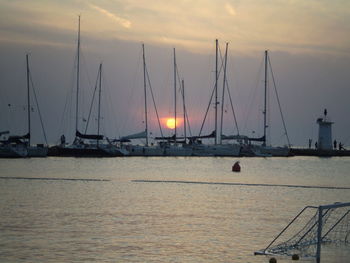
(126, 210)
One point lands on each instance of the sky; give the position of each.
(308, 43)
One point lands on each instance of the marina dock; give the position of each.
(318, 152)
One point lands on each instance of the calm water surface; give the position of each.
(120, 220)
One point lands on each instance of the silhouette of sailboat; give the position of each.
(87, 145)
(264, 149)
(20, 146)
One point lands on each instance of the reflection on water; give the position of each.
(119, 220)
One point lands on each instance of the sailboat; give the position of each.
(38, 150)
(86, 145)
(218, 148)
(264, 149)
(172, 146)
(20, 146)
(97, 143)
(12, 147)
(146, 149)
(101, 142)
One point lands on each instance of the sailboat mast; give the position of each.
(216, 90)
(28, 98)
(265, 98)
(223, 95)
(78, 73)
(99, 101)
(184, 107)
(175, 93)
(145, 91)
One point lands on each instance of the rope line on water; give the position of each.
(53, 179)
(243, 184)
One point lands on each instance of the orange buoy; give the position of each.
(236, 167)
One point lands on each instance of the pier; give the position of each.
(318, 152)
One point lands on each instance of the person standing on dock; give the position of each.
(341, 146)
(310, 142)
(335, 144)
(316, 145)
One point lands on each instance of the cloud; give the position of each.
(124, 22)
(230, 9)
(287, 25)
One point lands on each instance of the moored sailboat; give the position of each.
(147, 148)
(174, 147)
(264, 149)
(218, 148)
(12, 146)
(39, 150)
(20, 146)
(86, 145)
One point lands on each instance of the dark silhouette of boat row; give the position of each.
(98, 145)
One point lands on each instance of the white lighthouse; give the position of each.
(324, 132)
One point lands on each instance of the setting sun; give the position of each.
(170, 123)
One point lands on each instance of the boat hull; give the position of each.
(86, 151)
(37, 151)
(266, 151)
(13, 151)
(165, 150)
(223, 150)
(138, 150)
(185, 150)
